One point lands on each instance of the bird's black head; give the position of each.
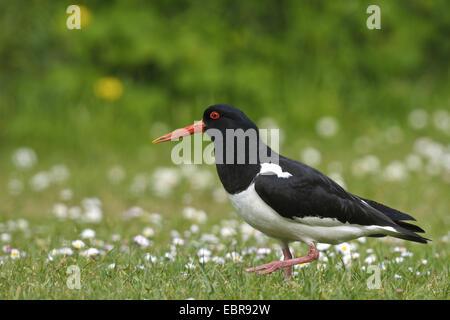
(238, 150)
(223, 116)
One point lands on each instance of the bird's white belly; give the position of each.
(261, 216)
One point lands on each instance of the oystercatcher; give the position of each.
(286, 199)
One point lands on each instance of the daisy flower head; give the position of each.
(88, 234)
(78, 244)
(344, 248)
(15, 254)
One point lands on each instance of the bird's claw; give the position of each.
(267, 268)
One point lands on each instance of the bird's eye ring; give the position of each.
(214, 115)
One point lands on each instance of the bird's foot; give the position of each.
(288, 263)
(268, 267)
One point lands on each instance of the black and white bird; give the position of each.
(287, 199)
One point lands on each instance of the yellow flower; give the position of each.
(108, 88)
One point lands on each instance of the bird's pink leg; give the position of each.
(276, 265)
(287, 256)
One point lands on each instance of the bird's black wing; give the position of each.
(309, 193)
(316, 196)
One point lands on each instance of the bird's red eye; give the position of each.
(214, 115)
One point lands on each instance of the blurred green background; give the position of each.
(96, 97)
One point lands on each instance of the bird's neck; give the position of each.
(238, 170)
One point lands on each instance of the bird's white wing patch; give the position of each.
(272, 168)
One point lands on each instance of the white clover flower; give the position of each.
(78, 244)
(88, 234)
(418, 118)
(15, 254)
(148, 232)
(327, 126)
(24, 158)
(111, 266)
(141, 241)
(311, 156)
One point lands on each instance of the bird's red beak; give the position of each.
(174, 135)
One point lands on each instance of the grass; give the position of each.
(423, 274)
(31, 277)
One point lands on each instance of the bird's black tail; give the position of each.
(406, 231)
